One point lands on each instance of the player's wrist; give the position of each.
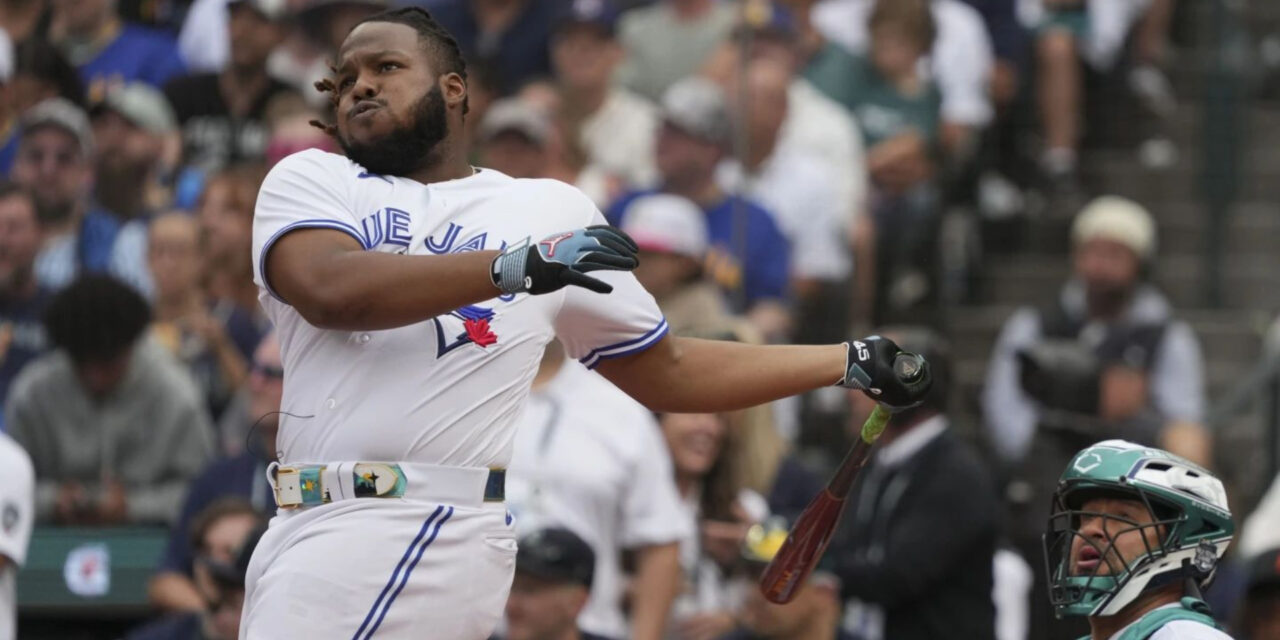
(509, 269)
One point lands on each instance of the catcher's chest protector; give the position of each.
(1192, 609)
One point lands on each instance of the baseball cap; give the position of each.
(666, 223)
(142, 105)
(697, 106)
(597, 13)
(558, 555)
(272, 10)
(63, 114)
(1118, 219)
(515, 115)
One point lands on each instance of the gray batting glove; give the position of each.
(564, 259)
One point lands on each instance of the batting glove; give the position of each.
(869, 368)
(563, 259)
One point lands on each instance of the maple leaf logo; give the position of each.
(478, 331)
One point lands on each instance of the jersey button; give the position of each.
(365, 338)
(331, 403)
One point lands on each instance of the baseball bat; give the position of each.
(812, 531)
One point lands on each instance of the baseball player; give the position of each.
(413, 295)
(17, 513)
(1136, 532)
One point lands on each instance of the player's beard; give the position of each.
(407, 148)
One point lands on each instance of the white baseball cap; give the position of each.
(1117, 219)
(665, 223)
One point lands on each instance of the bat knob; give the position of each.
(908, 366)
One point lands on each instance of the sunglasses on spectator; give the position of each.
(268, 371)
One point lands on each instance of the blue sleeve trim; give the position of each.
(294, 226)
(626, 348)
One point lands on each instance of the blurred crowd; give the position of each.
(791, 170)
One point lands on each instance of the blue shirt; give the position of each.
(26, 338)
(137, 53)
(241, 476)
(760, 270)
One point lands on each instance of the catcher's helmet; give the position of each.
(1189, 514)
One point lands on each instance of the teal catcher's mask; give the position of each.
(1177, 516)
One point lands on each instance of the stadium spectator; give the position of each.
(812, 614)
(1106, 359)
(960, 59)
(222, 113)
(511, 37)
(794, 184)
(814, 123)
(670, 40)
(1095, 33)
(554, 574)
(39, 73)
(241, 476)
(113, 424)
(1259, 615)
(22, 297)
(136, 151)
(898, 111)
(692, 141)
(671, 232)
(17, 516)
(107, 50)
(902, 579)
(55, 163)
(514, 139)
(222, 539)
(612, 486)
(136, 147)
(184, 322)
(225, 211)
(703, 448)
(611, 127)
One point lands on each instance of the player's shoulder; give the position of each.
(310, 159)
(550, 195)
(1188, 630)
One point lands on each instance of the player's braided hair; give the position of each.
(437, 39)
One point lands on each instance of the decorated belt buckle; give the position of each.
(287, 489)
(378, 480)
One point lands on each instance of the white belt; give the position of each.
(305, 485)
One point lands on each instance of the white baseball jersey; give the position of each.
(17, 514)
(591, 459)
(447, 390)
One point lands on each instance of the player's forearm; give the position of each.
(686, 375)
(364, 291)
(656, 583)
